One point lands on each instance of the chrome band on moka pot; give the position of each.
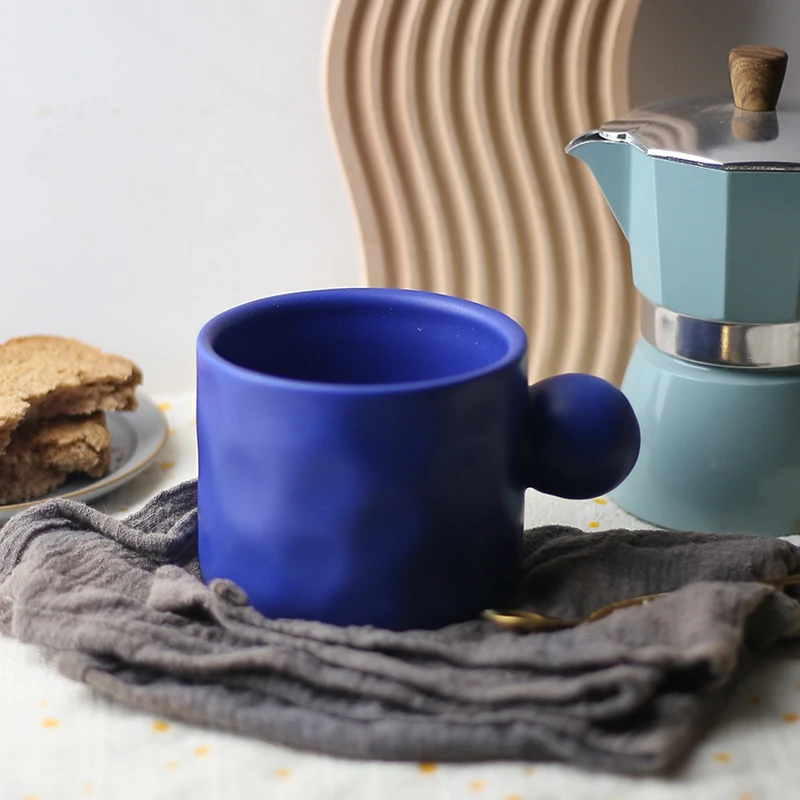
(738, 345)
(707, 193)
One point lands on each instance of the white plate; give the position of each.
(137, 437)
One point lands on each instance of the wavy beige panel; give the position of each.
(451, 117)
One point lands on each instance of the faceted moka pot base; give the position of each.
(720, 446)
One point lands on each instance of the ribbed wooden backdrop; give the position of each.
(451, 117)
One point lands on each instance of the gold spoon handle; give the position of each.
(534, 622)
(523, 621)
(631, 601)
(779, 583)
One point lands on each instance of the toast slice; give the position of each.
(42, 455)
(51, 376)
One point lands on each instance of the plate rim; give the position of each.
(109, 480)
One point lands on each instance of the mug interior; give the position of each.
(366, 337)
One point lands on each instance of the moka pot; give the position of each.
(707, 192)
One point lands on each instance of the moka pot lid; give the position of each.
(751, 131)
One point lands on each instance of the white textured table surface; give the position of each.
(60, 740)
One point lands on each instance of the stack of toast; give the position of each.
(54, 393)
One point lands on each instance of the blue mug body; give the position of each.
(363, 453)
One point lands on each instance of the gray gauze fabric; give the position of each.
(122, 605)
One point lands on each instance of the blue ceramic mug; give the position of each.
(363, 453)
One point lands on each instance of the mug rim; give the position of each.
(511, 331)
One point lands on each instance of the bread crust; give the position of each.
(52, 376)
(44, 453)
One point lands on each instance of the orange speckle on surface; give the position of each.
(171, 765)
(797, 686)
(427, 767)
(165, 465)
(88, 788)
(173, 432)
(194, 421)
(722, 758)
(160, 726)
(746, 796)
(31, 797)
(789, 719)
(201, 751)
(530, 770)
(755, 699)
(283, 774)
(476, 786)
(600, 501)
(593, 524)
(50, 722)
(164, 406)
(513, 797)
(43, 704)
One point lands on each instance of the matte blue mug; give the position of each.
(363, 453)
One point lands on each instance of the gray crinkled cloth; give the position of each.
(121, 604)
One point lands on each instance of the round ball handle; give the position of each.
(584, 438)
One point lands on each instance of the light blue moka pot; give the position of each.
(707, 192)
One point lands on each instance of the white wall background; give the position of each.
(680, 47)
(161, 160)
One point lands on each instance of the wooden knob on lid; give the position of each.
(757, 74)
